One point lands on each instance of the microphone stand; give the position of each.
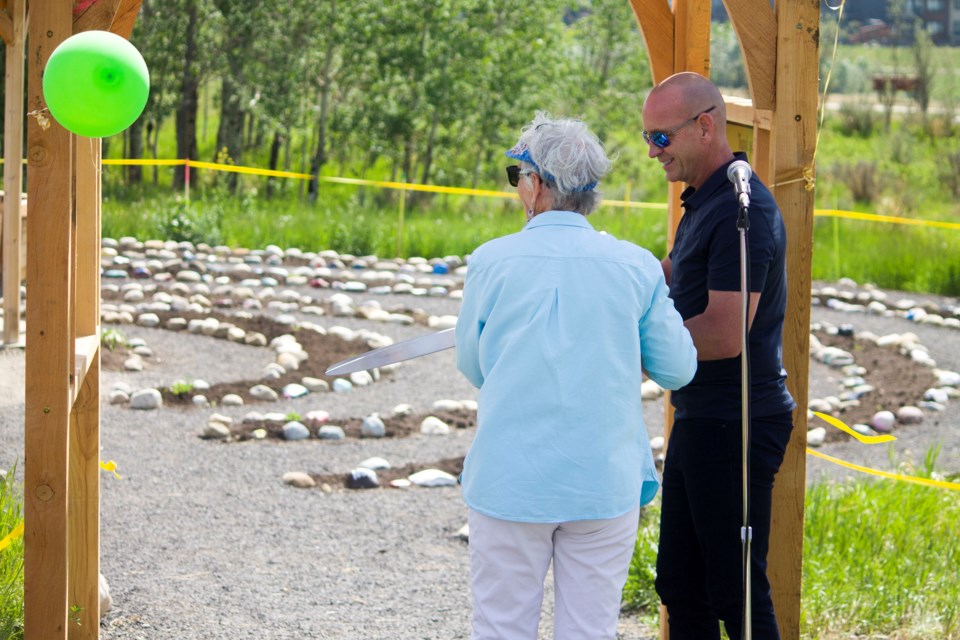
(746, 531)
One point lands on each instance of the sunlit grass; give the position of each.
(880, 559)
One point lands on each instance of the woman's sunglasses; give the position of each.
(514, 172)
(662, 138)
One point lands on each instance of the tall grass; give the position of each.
(880, 559)
(11, 559)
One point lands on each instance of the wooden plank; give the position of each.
(795, 126)
(12, 170)
(656, 27)
(47, 405)
(125, 17)
(756, 28)
(116, 16)
(84, 505)
(691, 44)
(88, 235)
(6, 27)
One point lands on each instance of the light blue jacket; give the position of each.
(555, 324)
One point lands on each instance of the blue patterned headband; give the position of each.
(522, 152)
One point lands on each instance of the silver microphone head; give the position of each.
(739, 170)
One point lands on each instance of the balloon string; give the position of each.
(42, 120)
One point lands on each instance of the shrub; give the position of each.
(11, 559)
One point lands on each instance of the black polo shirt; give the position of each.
(706, 256)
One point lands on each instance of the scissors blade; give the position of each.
(397, 352)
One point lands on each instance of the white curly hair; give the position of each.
(568, 156)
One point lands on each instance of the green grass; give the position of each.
(11, 559)
(880, 559)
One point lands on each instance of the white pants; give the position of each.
(509, 562)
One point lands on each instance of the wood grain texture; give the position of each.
(49, 342)
(15, 18)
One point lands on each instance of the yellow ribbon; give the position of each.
(928, 482)
(13, 535)
(110, 466)
(862, 438)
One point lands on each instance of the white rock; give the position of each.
(263, 392)
(299, 479)
(373, 427)
(447, 405)
(341, 385)
(146, 399)
(909, 415)
(103, 588)
(650, 390)
(432, 478)
(883, 421)
(361, 378)
(231, 400)
(402, 410)
(816, 436)
(432, 425)
(375, 463)
(216, 431)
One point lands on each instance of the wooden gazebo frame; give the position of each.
(62, 415)
(780, 48)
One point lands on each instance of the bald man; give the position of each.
(699, 565)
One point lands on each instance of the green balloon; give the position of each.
(96, 84)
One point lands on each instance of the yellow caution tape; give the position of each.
(843, 427)
(146, 162)
(872, 217)
(928, 482)
(110, 466)
(404, 186)
(13, 535)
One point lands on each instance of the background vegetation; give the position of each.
(433, 92)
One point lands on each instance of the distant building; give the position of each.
(941, 19)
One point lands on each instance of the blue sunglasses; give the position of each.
(662, 139)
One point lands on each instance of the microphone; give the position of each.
(739, 173)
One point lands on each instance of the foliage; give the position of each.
(881, 556)
(879, 559)
(112, 338)
(11, 558)
(181, 387)
(293, 416)
(638, 593)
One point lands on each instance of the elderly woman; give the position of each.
(555, 322)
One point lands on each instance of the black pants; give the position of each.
(699, 564)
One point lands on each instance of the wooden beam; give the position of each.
(795, 130)
(116, 16)
(6, 27)
(756, 28)
(657, 28)
(84, 505)
(49, 341)
(12, 169)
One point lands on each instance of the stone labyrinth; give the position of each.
(256, 297)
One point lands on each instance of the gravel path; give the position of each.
(203, 540)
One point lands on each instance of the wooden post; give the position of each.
(62, 413)
(50, 341)
(793, 144)
(782, 74)
(13, 25)
(84, 485)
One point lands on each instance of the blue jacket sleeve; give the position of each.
(469, 327)
(666, 348)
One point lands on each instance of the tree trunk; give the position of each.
(135, 151)
(186, 120)
(326, 85)
(274, 157)
(230, 131)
